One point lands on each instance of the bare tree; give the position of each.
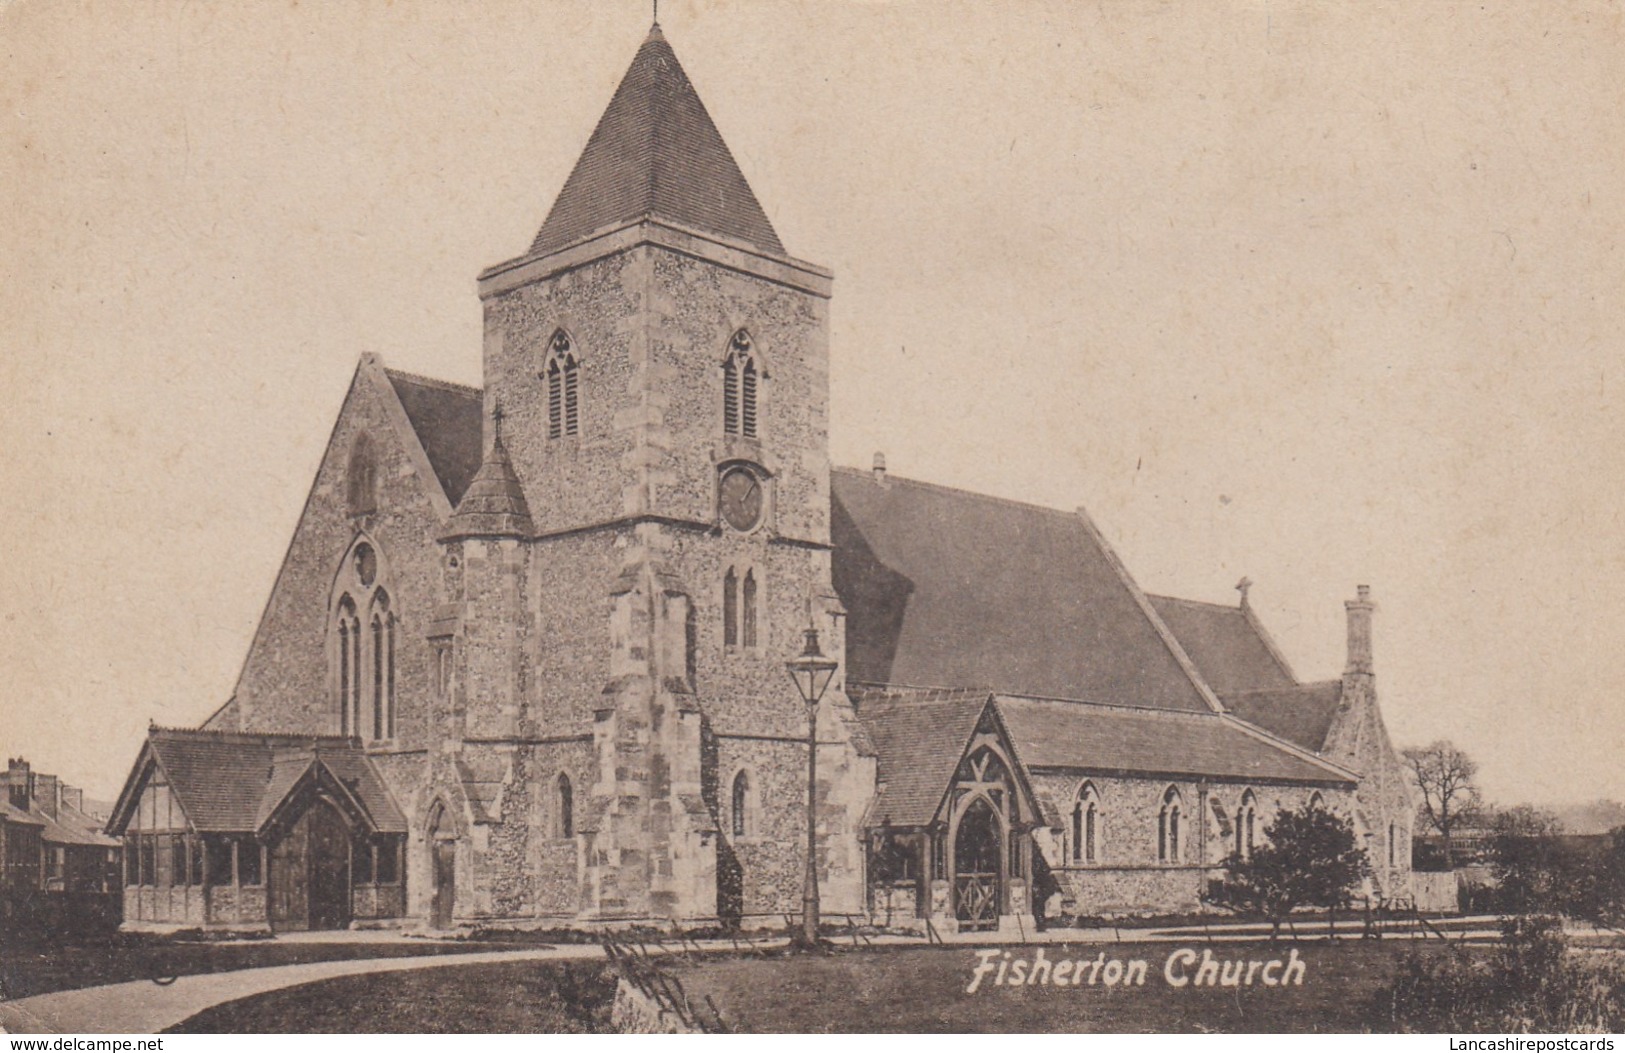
(1444, 774)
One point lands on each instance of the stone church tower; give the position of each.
(524, 662)
(647, 541)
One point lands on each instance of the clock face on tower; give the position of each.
(740, 493)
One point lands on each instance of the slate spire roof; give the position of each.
(494, 504)
(656, 153)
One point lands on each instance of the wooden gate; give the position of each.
(978, 867)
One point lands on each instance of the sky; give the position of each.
(1322, 295)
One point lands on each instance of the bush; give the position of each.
(1531, 984)
(1309, 859)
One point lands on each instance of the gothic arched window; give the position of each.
(567, 808)
(349, 662)
(383, 667)
(740, 375)
(1168, 827)
(1246, 819)
(1086, 825)
(362, 645)
(747, 610)
(361, 477)
(741, 607)
(741, 804)
(730, 609)
(563, 376)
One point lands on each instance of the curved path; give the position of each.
(143, 1007)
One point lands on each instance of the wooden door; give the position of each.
(290, 890)
(445, 884)
(329, 867)
(310, 873)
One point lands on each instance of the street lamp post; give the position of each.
(811, 672)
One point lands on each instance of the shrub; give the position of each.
(1533, 983)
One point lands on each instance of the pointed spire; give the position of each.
(656, 153)
(494, 504)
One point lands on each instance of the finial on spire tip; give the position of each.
(496, 420)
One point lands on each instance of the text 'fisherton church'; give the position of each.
(524, 663)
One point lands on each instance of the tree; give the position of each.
(1534, 871)
(1600, 896)
(1445, 774)
(1309, 859)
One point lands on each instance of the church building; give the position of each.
(525, 660)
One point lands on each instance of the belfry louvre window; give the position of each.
(563, 376)
(739, 383)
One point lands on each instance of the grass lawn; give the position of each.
(35, 970)
(897, 989)
(924, 990)
(508, 997)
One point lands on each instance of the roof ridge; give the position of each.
(1312, 685)
(1284, 743)
(247, 736)
(1200, 714)
(892, 480)
(433, 382)
(1232, 607)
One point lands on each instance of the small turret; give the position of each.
(494, 504)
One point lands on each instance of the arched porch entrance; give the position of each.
(978, 868)
(310, 870)
(955, 846)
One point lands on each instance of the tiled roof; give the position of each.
(918, 743)
(953, 588)
(1302, 715)
(72, 827)
(449, 420)
(233, 781)
(356, 771)
(494, 505)
(1112, 739)
(1225, 644)
(18, 816)
(656, 153)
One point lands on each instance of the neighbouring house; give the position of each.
(524, 662)
(58, 870)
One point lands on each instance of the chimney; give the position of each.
(20, 783)
(73, 797)
(880, 468)
(46, 793)
(1242, 586)
(1359, 612)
